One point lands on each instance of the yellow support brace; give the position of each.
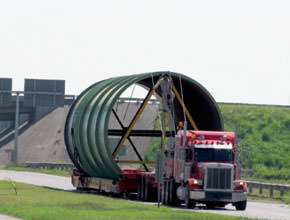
(184, 107)
(138, 114)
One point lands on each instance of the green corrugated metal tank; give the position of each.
(86, 128)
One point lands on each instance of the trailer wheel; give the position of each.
(142, 189)
(146, 191)
(139, 189)
(189, 203)
(241, 206)
(162, 193)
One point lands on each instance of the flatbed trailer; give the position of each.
(126, 183)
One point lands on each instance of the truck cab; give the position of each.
(204, 169)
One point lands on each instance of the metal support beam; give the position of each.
(184, 107)
(135, 162)
(140, 133)
(15, 151)
(129, 139)
(163, 131)
(133, 122)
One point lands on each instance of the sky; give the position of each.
(239, 50)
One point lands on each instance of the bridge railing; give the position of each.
(270, 186)
(48, 165)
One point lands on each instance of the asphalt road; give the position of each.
(255, 209)
(5, 217)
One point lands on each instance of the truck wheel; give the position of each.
(166, 193)
(210, 205)
(241, 206)
(79, 189)
(189, 203)
(171, 192)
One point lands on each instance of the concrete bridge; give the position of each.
(20, 109)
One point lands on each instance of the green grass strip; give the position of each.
(38, 203)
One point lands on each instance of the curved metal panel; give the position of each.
(86, 129)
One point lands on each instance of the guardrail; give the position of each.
(251, 184)
(270, 186)
(49, 165)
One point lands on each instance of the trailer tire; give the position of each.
(241, 206)
(146, 191)
(139, 190)
(142, 189)
(162, 193)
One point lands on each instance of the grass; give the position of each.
(263, 133)
(20, 167)
(37, 203)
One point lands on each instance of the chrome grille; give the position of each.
(220, 178)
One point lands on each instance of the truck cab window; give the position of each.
(216, 155)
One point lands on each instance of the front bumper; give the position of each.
(215, 196)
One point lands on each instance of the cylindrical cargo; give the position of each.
(86, 128)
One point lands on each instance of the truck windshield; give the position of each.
(216, 155)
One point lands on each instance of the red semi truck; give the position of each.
(201, 168)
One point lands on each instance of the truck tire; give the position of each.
(171, 192)
(166, 193)
(241, 206)
(189, 203)
(210, 205)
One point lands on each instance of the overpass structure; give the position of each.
(20, 109)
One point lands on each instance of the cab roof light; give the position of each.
(201, 137)
(229, 138)
(222, 138)
(193, 136)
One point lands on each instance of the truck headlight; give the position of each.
(238, 183)
(197, 182)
